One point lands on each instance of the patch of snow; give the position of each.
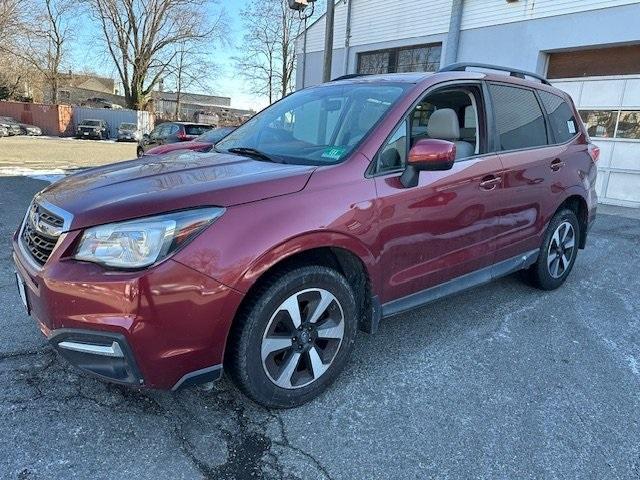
(48, 175)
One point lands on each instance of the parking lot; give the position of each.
(500, 382)
(48, 155)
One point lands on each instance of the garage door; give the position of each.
(610, 108)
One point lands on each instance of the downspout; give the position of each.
(453, 38)
(347, 37)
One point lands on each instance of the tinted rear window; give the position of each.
(196, 129)
(519, 119)
(563, 121)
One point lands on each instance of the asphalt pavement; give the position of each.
(503, 381)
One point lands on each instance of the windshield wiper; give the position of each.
(252, 152)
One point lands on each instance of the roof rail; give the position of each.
(514, 72)
(351, 75)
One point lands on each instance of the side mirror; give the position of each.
(428, 154)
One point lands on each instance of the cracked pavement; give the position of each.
(503, 381)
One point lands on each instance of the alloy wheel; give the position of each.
(561, 249)
(302, 338)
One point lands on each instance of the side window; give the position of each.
(155, 133)
(519, 119)
(172, 130)
(393, 155)
(454, 115)
(561, 117)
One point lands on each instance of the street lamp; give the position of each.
(302, 7)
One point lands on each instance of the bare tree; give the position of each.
(9, 17)
(40, 35)
(191, 68)
(141, 37)
(268, 61)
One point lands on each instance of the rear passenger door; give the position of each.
(531, 162)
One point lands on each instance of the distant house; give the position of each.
(78, 88)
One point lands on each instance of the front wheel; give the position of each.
(294, 337)
(139, 152)
(558, 252)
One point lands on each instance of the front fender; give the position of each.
(305, 243)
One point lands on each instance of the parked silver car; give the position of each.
(128, 132)
(22, 128)
(13, 126)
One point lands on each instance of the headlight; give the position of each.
(143, 242)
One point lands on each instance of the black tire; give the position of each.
(540, 273)
(139, 152)
(244, 361)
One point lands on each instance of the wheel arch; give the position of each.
(336, 251)
(578, 204)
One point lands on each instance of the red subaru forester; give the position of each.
(337, 206)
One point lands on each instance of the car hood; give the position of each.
(172, 147)
(153, 185)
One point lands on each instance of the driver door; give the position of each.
(446, 226)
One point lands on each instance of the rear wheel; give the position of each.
(139, 152)
(558, 252)
(294, 337)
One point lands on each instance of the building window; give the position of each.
(624, 124)
(421, 58)
(629, 125)
(519, 119)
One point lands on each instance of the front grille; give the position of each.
(38, 243)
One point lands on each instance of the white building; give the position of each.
(589, 48)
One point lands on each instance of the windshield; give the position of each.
(214, 136)
(91, 123)
(128, 126)
(317, 126)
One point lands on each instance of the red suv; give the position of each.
(339, 205)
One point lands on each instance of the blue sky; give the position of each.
(88, 56)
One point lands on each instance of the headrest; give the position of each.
(470, 117)
(443, 125)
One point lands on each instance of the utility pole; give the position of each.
(453, 37)
(328, 41)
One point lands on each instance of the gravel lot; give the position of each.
(500, 382)
(51, 154)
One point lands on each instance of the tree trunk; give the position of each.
(54, 88)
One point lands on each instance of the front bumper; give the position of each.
(88, 135)
(164, 327)
(125, 137)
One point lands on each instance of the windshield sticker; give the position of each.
(334, 153)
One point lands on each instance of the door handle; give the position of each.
(557, 164)
(490, 182)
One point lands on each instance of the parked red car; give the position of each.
(171, 132)
(203, 143)
(339, 205)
